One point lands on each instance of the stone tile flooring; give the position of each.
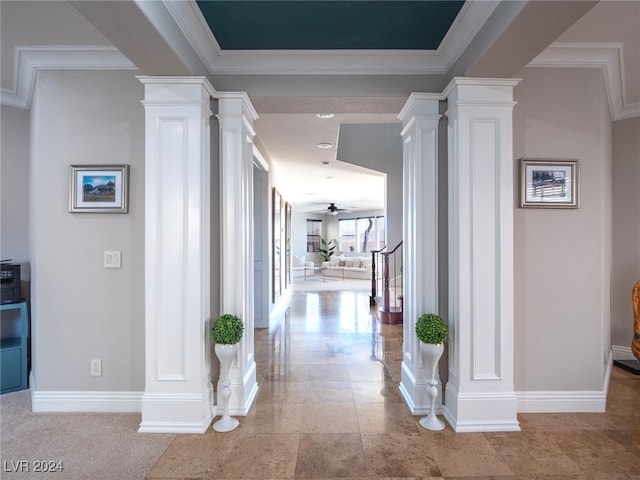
(328, 406)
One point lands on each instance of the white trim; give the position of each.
(86, 401)
(174, 427)
(29, 60)
(480, 426)
(606, 56)
(259, 161)
(194, 27)
(622, 353)
(561, 401)
(584, 401)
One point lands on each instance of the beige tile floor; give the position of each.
(329, 407)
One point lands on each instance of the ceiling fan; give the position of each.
(333, 210)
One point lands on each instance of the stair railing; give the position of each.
(376, 259)
(391, 307)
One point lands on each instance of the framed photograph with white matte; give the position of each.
(549, 183)
(99, 189)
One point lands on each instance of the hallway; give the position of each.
(329, 407)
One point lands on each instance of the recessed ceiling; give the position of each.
(329, 25)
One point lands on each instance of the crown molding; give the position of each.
(194, 27)
(29, 60)
(606, 56)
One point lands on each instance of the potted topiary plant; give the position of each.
(432, 331)
(431, 328)
(226, 332)
(227, 329)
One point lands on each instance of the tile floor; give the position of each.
(329, 407)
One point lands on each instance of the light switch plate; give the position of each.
(112, 259)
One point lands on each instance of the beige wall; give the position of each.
(378, 147)
(80, 310)
(626, 229)
(563, 257)
(14, 190)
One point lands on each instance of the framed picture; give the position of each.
(99, 189)
(549, 183)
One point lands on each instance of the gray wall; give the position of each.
(626, 227)
(379, 147)
(14, 190)
(81, 310)
(563, 257)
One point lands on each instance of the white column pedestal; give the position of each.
(178, 394)
(480, 394)
(420, 116)
(236, 116)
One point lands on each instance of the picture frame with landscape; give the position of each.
(99, 189)
(549, 183)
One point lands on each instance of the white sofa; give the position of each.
(298, 265)
(348, 267)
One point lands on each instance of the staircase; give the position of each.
(386, 281)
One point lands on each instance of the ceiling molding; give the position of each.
(259, 160)
(29, 60)
(190, 20)
(606, 56)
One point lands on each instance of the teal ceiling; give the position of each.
(329, 24)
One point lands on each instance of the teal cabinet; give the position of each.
(13, 347)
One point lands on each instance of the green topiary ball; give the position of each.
(227, 329)
(431, 328)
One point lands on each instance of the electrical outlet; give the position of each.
(96, 367)
(112, 259)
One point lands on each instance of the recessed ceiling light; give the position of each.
(324, 115)
(325, 164)
(324, 145)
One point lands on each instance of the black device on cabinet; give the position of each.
(9, 283)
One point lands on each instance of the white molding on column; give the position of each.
(29, 60)
(607, 56)
(178, 393)
(236, 115)
(420, 116)
(479, 393)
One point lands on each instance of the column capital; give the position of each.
(176, 89)
(480, 89)
(235, 103)
(421, 104)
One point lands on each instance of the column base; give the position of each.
(242, 394)
(481, 411)
(176, 413)
(415, 393)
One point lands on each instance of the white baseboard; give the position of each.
(582, 401)
(561, 402)
(75, 401)
(622, 353)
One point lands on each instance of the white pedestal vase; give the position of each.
(226, 354)
(431, 354)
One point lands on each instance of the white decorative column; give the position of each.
(178, 394)
(236, 116)
(480, 394)
(420, 116)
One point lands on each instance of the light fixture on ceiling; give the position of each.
(325, 145)
(326, 164)
(324, 115)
